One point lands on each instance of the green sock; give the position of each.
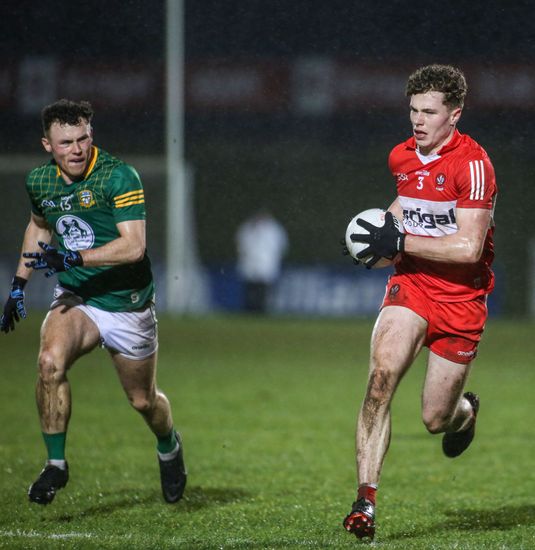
(55, 445)
(167, 443)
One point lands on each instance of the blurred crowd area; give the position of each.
(289, 106)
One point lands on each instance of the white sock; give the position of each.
(61, 464)
(169, 456)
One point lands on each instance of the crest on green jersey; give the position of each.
(86, 198)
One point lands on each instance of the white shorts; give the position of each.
(133, 334)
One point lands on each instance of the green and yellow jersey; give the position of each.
(85, 215)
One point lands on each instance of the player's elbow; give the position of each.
(473, 254)
(136, 254)
(470, 252)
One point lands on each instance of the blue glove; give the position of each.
(53, 259)
(14, 309)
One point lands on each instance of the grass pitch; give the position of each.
(267, 411)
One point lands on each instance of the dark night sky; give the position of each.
(486, 31)
(300, 164)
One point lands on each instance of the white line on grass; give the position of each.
(37, 534)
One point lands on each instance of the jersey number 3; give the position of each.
(420, 184)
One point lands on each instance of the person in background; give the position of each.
(261, 243)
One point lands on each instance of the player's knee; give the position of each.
(50, 368)
(435, 422)
(381, 385)
(142, 403)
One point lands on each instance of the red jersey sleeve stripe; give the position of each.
(477, 180)
(471, 165)
(482, 180)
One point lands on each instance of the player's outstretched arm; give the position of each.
(14, 309)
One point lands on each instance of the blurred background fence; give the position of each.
(289, 106)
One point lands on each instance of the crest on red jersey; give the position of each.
(440, 180)
(394, 289)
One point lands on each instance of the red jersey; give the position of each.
(430, 189)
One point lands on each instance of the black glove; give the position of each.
(53, 259)
(345, 250)
(14, 307)
(383, 242)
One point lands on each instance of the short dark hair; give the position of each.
(439, 78)
(66, 111)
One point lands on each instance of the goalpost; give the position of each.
(185, 284)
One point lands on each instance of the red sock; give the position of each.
(368, 492)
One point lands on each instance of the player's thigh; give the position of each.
(397, 338)
(137, 376)
(66, 334)
(443, 386)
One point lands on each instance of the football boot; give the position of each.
(173, 475)
(51, 478)
(361, 520)
(455, 443)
